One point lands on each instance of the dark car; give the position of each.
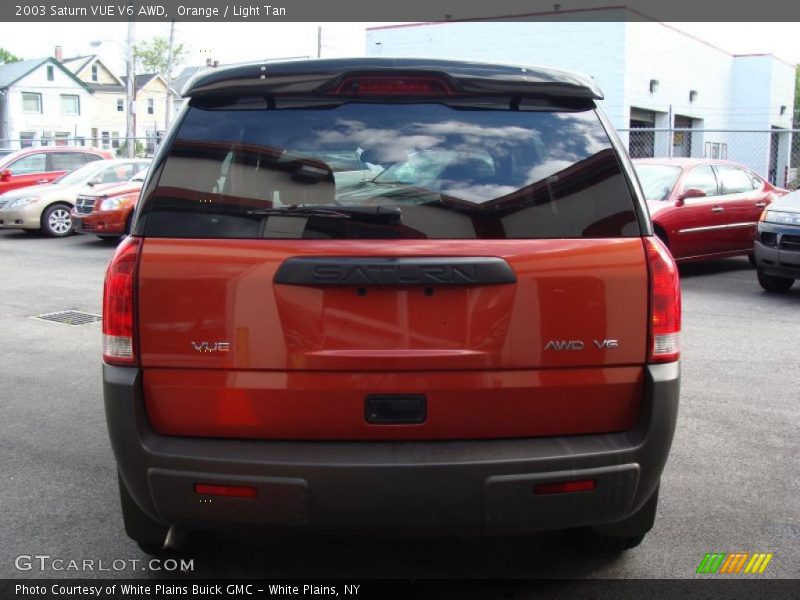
(35, 166)
(483, 340)
(704, 208)
(777, 246)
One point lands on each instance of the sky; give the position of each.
(243, 42)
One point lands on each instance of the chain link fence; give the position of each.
(142, 147)
(772, 153)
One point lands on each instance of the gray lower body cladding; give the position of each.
(427, 487)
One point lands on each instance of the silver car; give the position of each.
(47, 207)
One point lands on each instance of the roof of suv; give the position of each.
(314, 76)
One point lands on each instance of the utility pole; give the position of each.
(319, 41)
(168, 105)
(130, 132)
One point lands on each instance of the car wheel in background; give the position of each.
(752, 258)
(614, 538)
(56, 221)
(771, 283)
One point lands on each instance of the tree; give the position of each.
(152, 56)
(7, 57)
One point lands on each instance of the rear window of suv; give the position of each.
(450, 173)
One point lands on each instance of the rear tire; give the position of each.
(752, 258)
(771, 283)
(143, 530)
(56, 221)
(616, 538)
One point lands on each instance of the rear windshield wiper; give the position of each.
(376, 214)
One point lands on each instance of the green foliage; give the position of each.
(151, 56)
(7, 57)
(138, 150)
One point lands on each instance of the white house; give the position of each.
(42, 103)
(653, 76)
(109, 118)
(109, 123)
(151, 92)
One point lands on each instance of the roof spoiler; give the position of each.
(312, 77)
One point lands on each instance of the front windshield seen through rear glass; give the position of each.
(657, 180)
(453, 172)
(81, 174)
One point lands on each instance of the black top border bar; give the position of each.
(421, 11)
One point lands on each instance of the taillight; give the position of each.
(665, 303)
(371, 85)
(119, 297)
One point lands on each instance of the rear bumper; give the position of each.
(448, 487)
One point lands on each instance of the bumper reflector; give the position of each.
(231, 491)
(564, 487)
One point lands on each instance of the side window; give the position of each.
(91, 157)
(757, 182)
(702, 178)
(733, 180)
(66, 161)
(33, 163)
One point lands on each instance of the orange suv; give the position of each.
(473, 332)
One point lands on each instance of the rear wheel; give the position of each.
(56, 221)
(626, 534)
(143, 530)
(752, 258)
(771, 283)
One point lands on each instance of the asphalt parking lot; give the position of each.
(731, 483)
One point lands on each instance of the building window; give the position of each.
(716, 151)
(105, 138)
(31, 102)
(115, 139)
(62, 138)
(26, 139)
(94, 72)
(151, 106)
(50, 74)
(120, 105)
(642, 139)
(682, 140)
(46, 138)
(80, 141)
(70, 105)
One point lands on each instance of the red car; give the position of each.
(482, 341)
(107, 210)
(704, 208)
(34, 166)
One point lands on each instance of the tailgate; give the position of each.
(229, 352)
